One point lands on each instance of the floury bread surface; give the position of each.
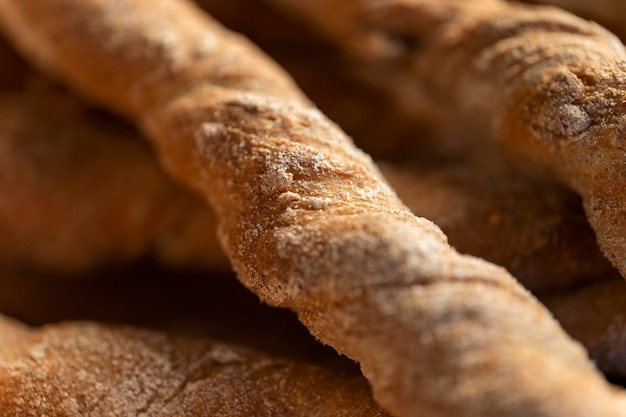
(78, 369)
(307, 220)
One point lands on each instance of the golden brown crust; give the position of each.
(549, 86)
(308, 221)
(78, 369)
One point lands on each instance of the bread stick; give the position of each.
(546, 85)
(78, 369)
(81, 191)
(307, 220)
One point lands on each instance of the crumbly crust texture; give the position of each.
(78, 369)
(308, 221)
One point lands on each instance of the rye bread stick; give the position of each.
(308, 221)
(78, 369)
(548, 86)
(81, 191)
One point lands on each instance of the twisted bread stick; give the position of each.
(308, 221)
(79, 369)
(549, 86)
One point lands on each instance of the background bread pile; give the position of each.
(144, 149)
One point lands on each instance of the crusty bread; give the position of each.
(308, 221)
(78, 369)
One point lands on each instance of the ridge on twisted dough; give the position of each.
(78, 369)
(550, 87)
(308, 221)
